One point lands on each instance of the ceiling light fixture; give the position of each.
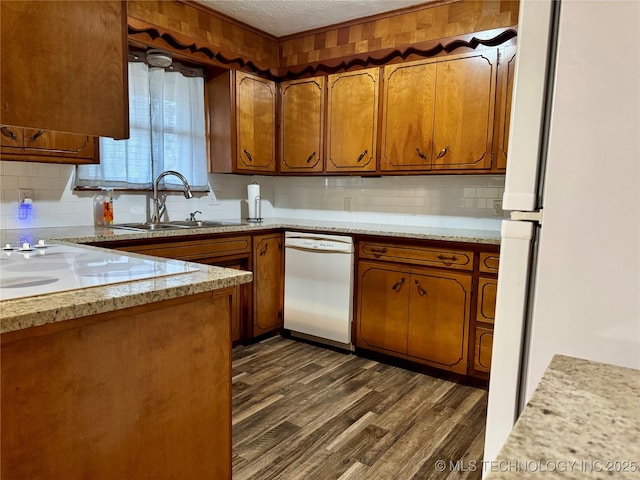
(158, 58)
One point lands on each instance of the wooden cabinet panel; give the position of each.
(439, 319)
(464, 111)
(504, 95)
(429, 256)
(487, 288)
(268, 278)
(407, 116)
(483, 349)
(28, 144)
(489, 262)
(256, 113)
(352, 121)
(194, 250)
(383, 300)
(64, 66)
(302, 125)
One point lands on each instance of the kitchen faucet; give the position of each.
(159, 206)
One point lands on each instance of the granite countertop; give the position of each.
(91, 234)
(583, 421)
(21, 313)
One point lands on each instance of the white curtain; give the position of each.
(167, 132)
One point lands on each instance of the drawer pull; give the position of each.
(398, 285)
(447, 260)
(264, 252)
(310, 157)
(420, 153)
(378, 251)
(8, 133)
(443, 152)
(362, 156)
(35, 136)
(248, 155)
(421, 290)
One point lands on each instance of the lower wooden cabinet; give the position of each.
(28, 144)
(268, 279)
(481, 346)
(420, 314)
(482, 351)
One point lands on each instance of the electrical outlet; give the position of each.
(497, 207)
(347, 204)
(24, 194)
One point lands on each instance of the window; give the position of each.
(167, 132)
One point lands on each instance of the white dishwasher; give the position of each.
(318, 287)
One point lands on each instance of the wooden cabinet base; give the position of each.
(138, 393)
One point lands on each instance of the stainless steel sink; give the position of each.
(174, 225)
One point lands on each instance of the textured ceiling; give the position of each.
(284, 17)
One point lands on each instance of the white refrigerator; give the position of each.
(569, 280)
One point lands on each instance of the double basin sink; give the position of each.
(175, 225)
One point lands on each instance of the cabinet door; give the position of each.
(268, 287)
(439, 319)
(46, 142)
(64, 66)
(302, 131)
(504, 95)
(383, 299)
(483, 349)
(487, 289)
(352, 121)
(255, 123)
(464, 104)
(407, 116)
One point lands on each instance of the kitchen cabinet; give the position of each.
(302, 125)
(268, 278)
(411, 311)
(64, 66)
(17, 143)
(230, 252)
(504, 95)
(242, 109)
(437, 114)
(352, 121)
(485, 312)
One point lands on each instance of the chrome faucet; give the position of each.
(159, 206)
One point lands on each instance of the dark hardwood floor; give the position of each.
(306, 412)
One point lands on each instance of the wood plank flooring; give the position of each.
(306, 412)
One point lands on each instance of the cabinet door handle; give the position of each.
(264, 252)
(7, 132)
(362, 156)
(421, 290)
(310, 157)
(447, 260)
(248, 155)
(443, 152)
(378, 251)
(398, 285)
(36, 135)
(420, 153)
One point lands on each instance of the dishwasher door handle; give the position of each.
(317, 250)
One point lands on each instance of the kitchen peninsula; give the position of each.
(130, 379)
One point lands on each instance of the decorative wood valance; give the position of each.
(151, 35)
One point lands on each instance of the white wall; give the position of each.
(451, 201)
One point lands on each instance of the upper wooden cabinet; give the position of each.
(64, 66)
(302, 125)
(243, 118)
(438, 114)
(352, 121)
(41, 145)
(504, 95)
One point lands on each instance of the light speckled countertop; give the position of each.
(91, 234)
(582, 422)
(39, 310)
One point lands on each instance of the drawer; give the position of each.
(489, 262)
(484, 347)
(487, 289)
(196, 249)
(430, 256)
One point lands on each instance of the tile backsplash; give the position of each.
(462, 201)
